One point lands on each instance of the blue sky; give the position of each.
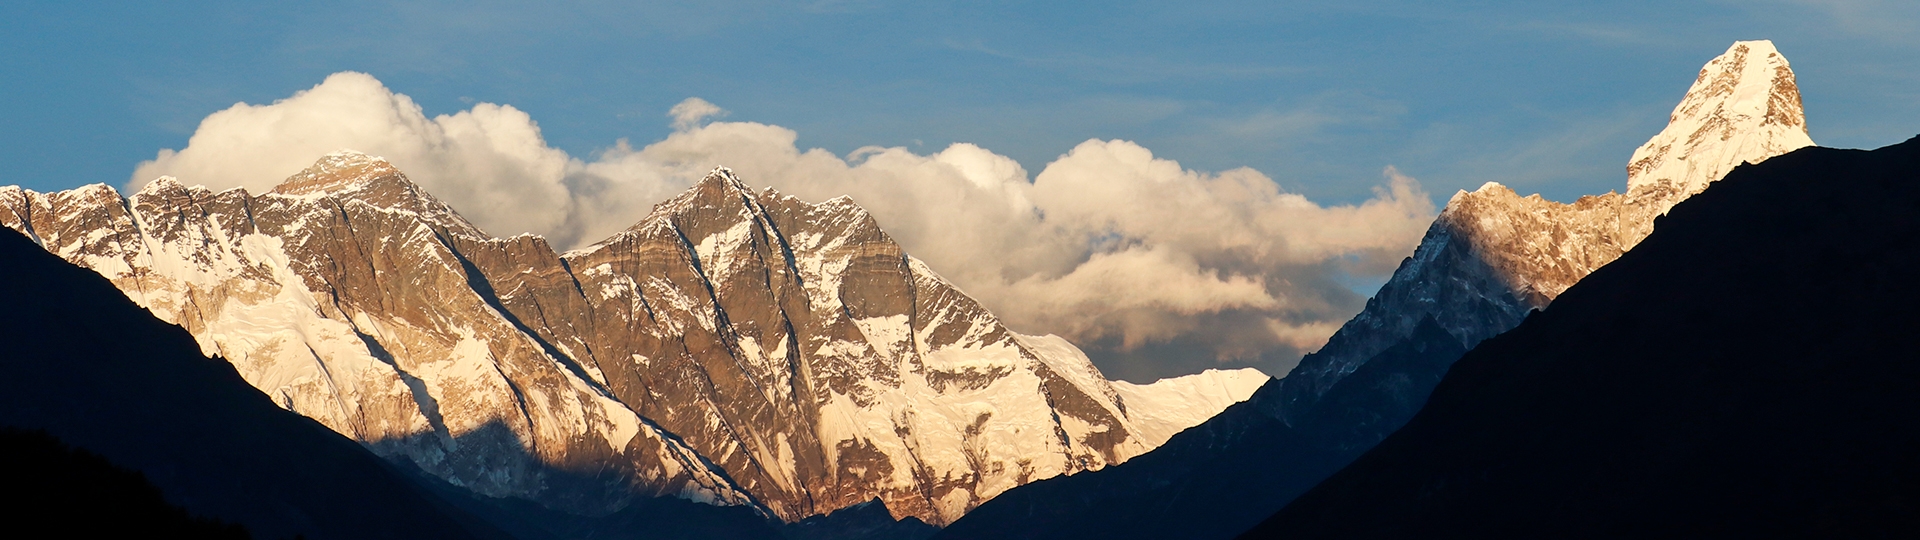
(1321, 98)
(1543, 96)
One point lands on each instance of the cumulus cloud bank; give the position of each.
(1109, 246)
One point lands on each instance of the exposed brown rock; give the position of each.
(735, 346)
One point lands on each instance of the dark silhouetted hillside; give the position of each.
(64, 491)
(1748, 370)
(91, 369)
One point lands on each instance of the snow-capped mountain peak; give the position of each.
(1744, 106)
(338, 171)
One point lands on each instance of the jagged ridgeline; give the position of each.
(737, 347)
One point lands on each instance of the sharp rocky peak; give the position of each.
(722, 198)
(340, 171)
(170, 188)
(1743, 107)
(725, 177)
(349, 175)
(719, 188)
(164, 184)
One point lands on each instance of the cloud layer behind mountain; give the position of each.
(1157, 270)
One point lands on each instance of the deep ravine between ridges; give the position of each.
(734, 347)
(1488, 260)
(1745, 372)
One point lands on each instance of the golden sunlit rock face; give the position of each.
(1744, 108)
(735, 347)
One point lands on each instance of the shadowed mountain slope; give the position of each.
(1746, 371)
(78, 494)
(99, 373)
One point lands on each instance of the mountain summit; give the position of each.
(1744, 105)
(338, 171)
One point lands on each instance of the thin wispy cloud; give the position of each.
(1598, 32)
(1891, 21)
(1130, 69)
(1581, 148)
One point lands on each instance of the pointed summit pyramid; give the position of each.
(1743, 108)
(338, 171)
(352, 176)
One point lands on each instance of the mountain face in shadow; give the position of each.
(89, 368)
(1746, 371)
(1380, 396)
(82, 495)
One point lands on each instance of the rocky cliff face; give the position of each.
(734, 347)
(1743, 108)
(803, 351)
(348, 295)
(1493, 256)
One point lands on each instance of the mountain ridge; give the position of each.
(734, 347)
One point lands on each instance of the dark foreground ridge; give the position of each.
(81, 495)
(1217, 479)
(87, 367)
(1748, 370)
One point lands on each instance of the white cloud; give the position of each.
(1108, 244)
(690, 112)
